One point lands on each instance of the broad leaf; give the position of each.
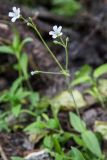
(91, 142)
(48, 142)
(76, 154)
(77, 123)
(100, 71)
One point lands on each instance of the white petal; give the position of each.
(54, 36)
(61, 34)
(51, 32)
(18, 10)
(55, 28)
(59, 28)
(11, 14)
(13, 19)
(14, 9)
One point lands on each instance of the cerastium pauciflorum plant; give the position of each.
(86, 139)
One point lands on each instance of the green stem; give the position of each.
(28, 112)
(65, 45)
(71, 91)
(56, 73)
(40, 36)
(66, 51)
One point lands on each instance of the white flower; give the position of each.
(56, 32)
(15, 14)
(32, 73)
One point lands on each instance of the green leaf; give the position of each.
(78, 140)
(16, 158)
(34, 98)
(85, 70)
(24, 64)
(26, 40)
(53, 124)
(59, 157)
(16, 110)
(56, 143)
(91, 142)
(81, 80)
(76, 154)
(16, 40)
(48, 142)
(16, 85)
(21, 94)
(4, 96)
(3, 123)
(82, 76)
(36, 127)
(100, 71)
(6, 49)
(77, 123)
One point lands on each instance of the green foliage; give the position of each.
(100, 71)
(76, 154)
(16, 49)
(15, 96)
(82, 76)
(91, 143)
(77, 123)
(16, 158)
(68, 7)
(87, 76)
(89, 139)
(3, 122)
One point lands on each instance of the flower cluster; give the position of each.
(15, 14)
(57, 31)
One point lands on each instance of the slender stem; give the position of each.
(65, 45)
(29, 84)
(66, 51)
(40, 36)
(28, 112)
(44, 72)
(70, 90)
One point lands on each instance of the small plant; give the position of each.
(16, 99)
(16, 49)
(54, 138)
(87, 76)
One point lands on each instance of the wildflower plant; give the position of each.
(87, 139)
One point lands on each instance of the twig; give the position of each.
(2, 153)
